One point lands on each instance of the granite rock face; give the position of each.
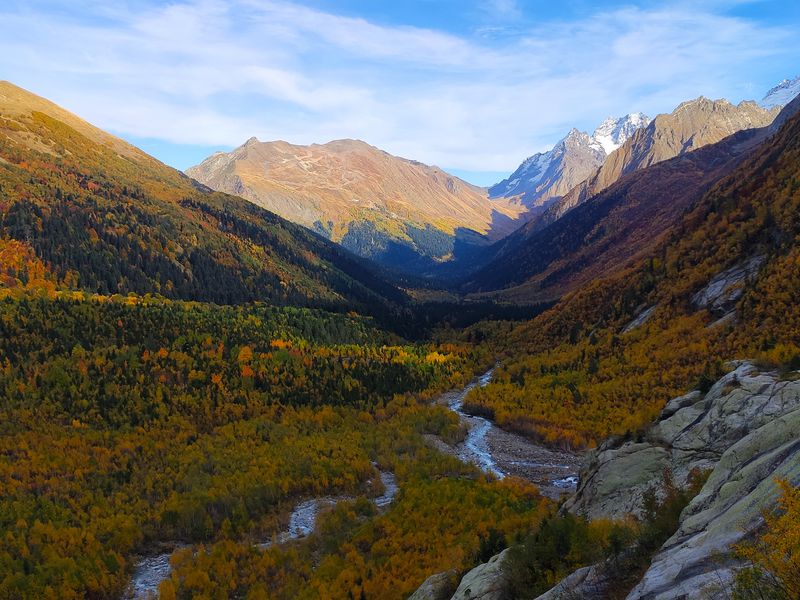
(484, 582)
(746, 430)
(724, 290)
(435, 587)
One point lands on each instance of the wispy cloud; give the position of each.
(503, 9)
(216, 72)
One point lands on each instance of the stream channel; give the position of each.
(492, 449)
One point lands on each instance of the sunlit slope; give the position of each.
(104, 216)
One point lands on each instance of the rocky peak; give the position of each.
(613, 132)
(782, 94)
(546, 176)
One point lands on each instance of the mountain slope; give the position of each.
(690, 126)
(101, 215)
(720, 284)
(544, 177)
(618, 225)
(377, 205)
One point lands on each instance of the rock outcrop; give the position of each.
(724, 290)
(436, 587)
(746, 430)
(640, 319)
(484, 582)
(588, 582)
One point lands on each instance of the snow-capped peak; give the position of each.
(542, 169)
(613, 132)
(783, 93)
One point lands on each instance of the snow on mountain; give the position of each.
(553, 173)
(783, 93)
(545, 174)
(612, 133)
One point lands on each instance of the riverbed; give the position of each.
(492, 449)
(503, 453)
(152, 570)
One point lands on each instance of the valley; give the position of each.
(324, 372)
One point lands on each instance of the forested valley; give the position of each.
(180, 368)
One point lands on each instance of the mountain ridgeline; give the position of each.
(398, 212)
(101, 215)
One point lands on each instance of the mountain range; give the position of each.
(627, 204)
(93, 210)
(547, 176)
(421, 220)
(171, 402)
(690, 126)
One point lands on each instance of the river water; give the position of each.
(151, 571)
(503, 453)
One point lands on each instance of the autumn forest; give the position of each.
(181, 371)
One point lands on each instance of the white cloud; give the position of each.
(213, 72)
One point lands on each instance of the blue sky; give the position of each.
(473, 86)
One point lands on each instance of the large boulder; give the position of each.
(436, 587)
(484, 582)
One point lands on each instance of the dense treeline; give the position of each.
(129, 421)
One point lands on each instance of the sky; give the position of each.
(473, 86)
